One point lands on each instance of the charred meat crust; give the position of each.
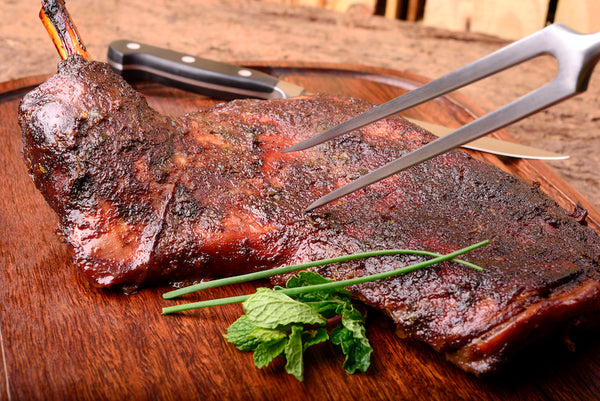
(144, 198)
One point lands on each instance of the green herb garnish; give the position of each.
(287, 321)
(276, 324)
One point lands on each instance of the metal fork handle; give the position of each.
(576, 54)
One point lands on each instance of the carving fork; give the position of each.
(576, 53)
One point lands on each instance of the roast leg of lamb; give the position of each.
(144, 198)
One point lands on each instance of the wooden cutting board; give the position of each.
(61, 339)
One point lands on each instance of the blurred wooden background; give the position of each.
(507, 19)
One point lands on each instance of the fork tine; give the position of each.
(509, 56)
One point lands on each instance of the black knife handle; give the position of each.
(137, 61)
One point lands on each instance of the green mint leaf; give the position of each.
(271, 309)
(239, 334)
(293, 353)
(354, 321)
(358, 356)
(267, 335)
(266, 352)
(328, 303)
(305, 278)
(351, 337)
(308, 278)
(312, 337)
(327, 309)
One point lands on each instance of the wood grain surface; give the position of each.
(62, 339)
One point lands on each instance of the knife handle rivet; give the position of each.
(133, 46)
(244, 73)
(188, 59)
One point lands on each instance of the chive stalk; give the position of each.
(330, 285)
(291, 268)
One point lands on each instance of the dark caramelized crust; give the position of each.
(143, 198)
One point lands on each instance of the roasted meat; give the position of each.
(144, 198)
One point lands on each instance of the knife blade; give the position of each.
(134, 61)
(491, 145)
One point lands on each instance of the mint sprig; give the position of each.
(271, 309)
(275, 324)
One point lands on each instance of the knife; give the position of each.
(137, 61)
